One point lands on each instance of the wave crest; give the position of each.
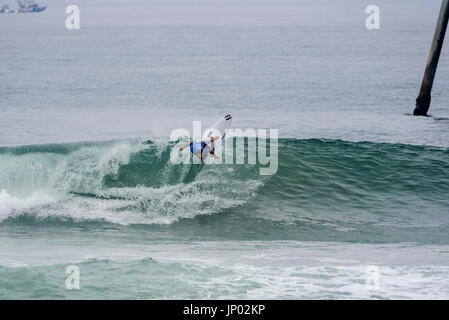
(125, 182)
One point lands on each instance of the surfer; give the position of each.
(201, 149)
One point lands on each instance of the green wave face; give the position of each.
(323, 189)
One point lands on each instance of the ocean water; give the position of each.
(86, 180)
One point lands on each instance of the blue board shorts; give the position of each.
(197, 147)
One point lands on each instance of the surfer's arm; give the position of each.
(213, 147)
(183, 147)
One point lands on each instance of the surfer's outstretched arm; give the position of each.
(183, 147)
(212, 150)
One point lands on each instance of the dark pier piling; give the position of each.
(423, 100)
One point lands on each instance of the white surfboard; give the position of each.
(218, 129)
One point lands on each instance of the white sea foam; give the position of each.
(10, 205)
(239, 269)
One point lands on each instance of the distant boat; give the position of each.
(29, 6)
(5, 9)
(25, 6)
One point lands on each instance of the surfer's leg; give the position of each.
(199, 155)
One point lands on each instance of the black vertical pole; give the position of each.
(423, 100)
